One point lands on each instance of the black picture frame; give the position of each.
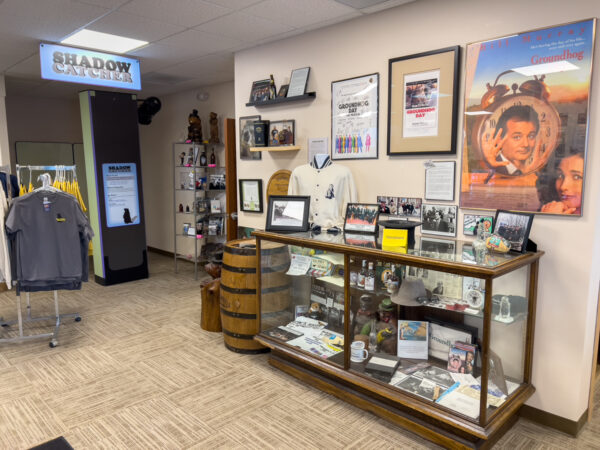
(519, 237)
(245, 203)
(283, 89)
(298, 82)
(277, 222)
(285, 133)
(446, 226)
(446, 60)
(246, 130)
(353, 227)
(261, 91)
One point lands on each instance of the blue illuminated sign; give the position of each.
(76, 65)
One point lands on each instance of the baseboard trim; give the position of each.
(567, 426)
(161, 252)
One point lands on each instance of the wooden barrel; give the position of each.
(239, 305)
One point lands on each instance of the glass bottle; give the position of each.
(373, 337)
(362, 274)
(393, 282)
(203, 160)
(272, 93)
(504, 308)
(479, 244)
(213, 158)
(370, 278)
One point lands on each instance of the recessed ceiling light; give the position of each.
(103, 41)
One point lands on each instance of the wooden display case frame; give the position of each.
(435, 423)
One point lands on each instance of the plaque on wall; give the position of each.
(278, 183)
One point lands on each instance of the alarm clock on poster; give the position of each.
(531, 93)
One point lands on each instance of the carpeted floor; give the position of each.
(139, 373)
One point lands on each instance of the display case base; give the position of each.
(418, 422)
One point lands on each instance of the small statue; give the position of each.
(182, 158)
(214, 128)
(195, 128)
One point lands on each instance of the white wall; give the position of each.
(4, 146)
(569, 272)
(156, 142)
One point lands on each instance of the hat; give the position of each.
(386, 305)
(409, 290)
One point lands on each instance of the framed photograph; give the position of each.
(283, 90)
(260, 91)
(282, 132)
(251, 196)
(439, 219)
(361, 240)
(514, 227)
(298, 82)
(525, 148)
(438, 248)
(423, 101)
(288, 213)
(247, 138)
(471, 221)
(355, 118)
(439, 180)
(361, 218)
(400, 206)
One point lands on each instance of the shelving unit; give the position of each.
(191, 190)
(279, 100)
(281, 148)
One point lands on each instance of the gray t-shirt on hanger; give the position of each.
(51, 232)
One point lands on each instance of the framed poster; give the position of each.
(526, 120)
(423, 101)
(247, 138)
(251, 196)
(121, 198)
(355, 118)
(439, 180)
(288, 213)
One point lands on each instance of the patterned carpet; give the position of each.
(138, 372)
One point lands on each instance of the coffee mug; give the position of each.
(358, 352)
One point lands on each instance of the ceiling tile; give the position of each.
(187, 13)
(299, 14)
(198, 43)
(28, 68)
(234, 4)
(48, 20)
(385, 5)
(329, 22)
(110, 4)
(133, 26)
(244, 27)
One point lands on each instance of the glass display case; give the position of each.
(433, 337)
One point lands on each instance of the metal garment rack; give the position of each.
(57, 316)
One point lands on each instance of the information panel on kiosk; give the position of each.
(77, 65)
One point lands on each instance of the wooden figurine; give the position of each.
(214, 128)
(195, 128)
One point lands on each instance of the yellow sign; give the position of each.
(395, 238)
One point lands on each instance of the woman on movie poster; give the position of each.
(526, 117)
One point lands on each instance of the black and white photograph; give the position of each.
(514, 227)
(288, 213)
(438, 248)
(438, 376)
(420, 387)
(439, 219)
(246, 128)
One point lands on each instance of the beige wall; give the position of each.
(156, 142)
(4, 146)
(569, 271)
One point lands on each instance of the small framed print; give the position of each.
(471, 221)
(281, 132)
(361, 218)
(298, 82)
(283, 90)
(439, 219)
(260, 91)
(246, 128)
(514, 227)
(288, 213)
(439, 180)
(251, 196)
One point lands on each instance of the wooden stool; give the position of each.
(210, 317)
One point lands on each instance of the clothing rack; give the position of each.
(57, 317)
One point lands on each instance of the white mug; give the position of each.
(358, 352)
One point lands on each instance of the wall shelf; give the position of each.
(282, 148)
(278, 100)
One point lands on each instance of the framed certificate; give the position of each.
(298, 82)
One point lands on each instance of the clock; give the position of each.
(498, 98)
(474, 298)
